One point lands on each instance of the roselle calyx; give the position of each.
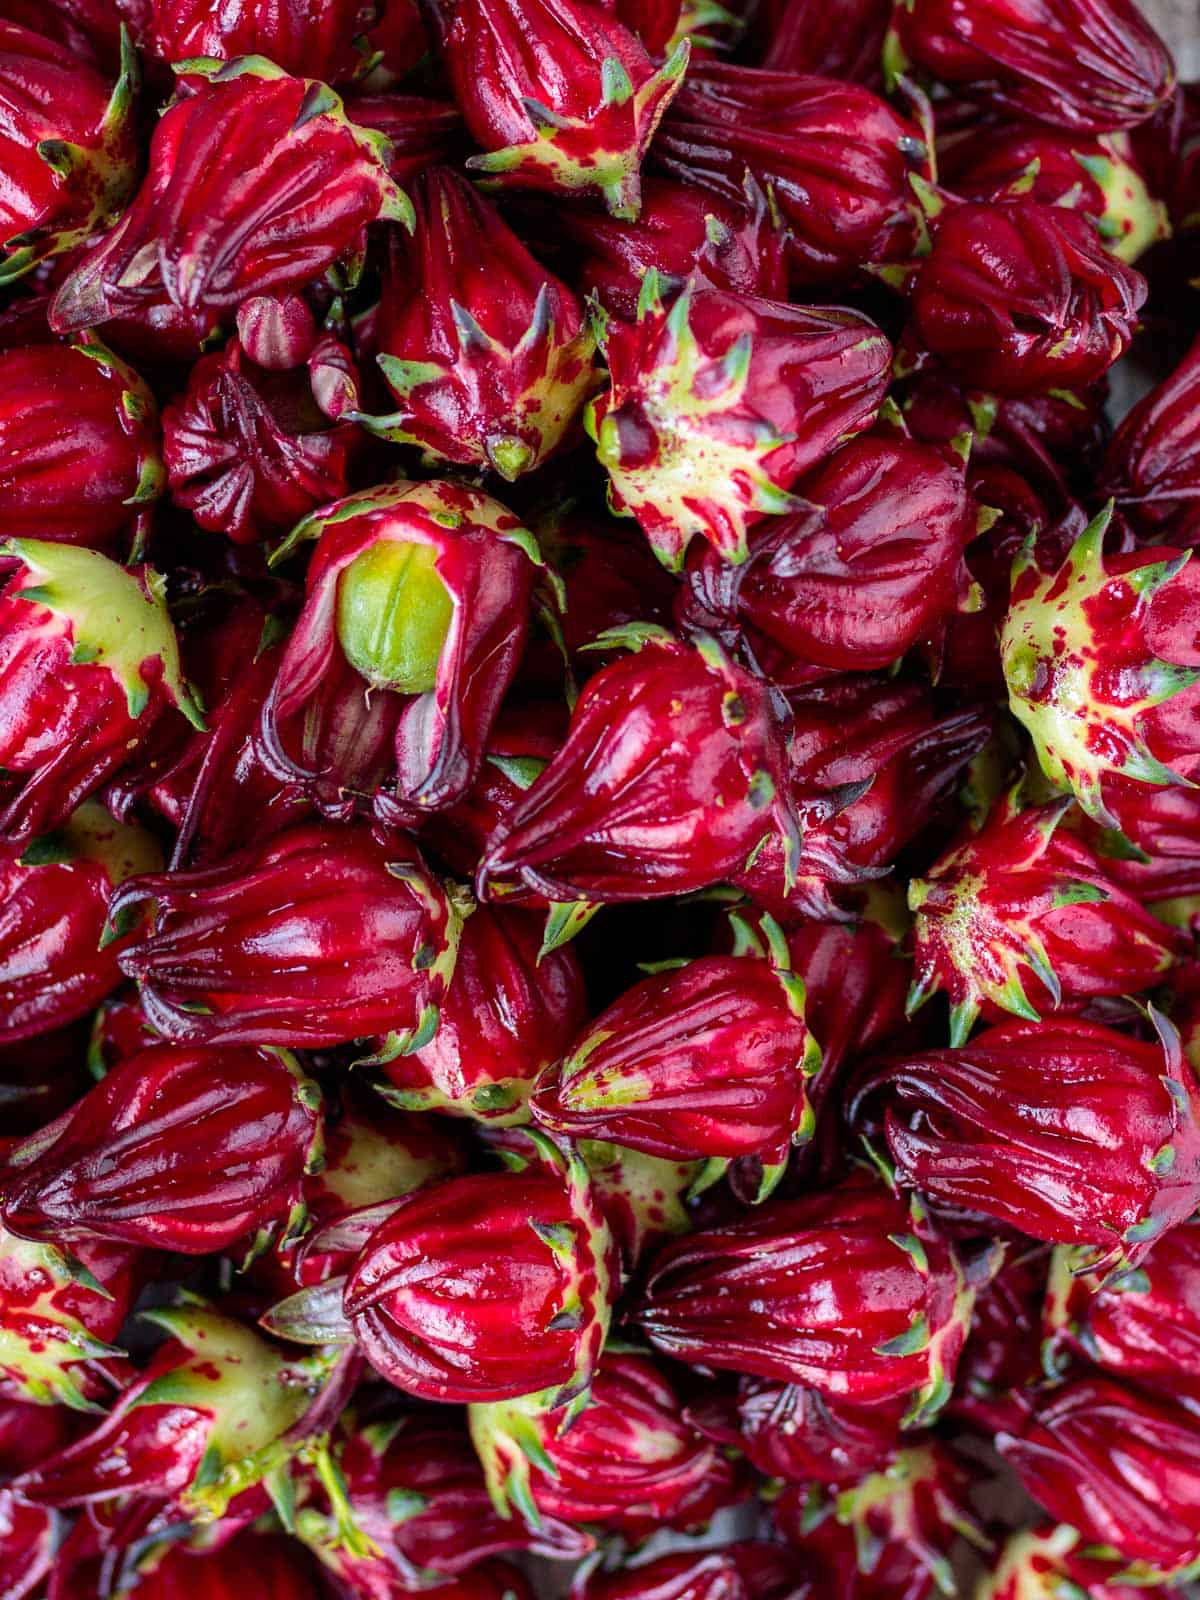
(1023, 904)
(175, 1149)
(89, 661)
(256, 950)
(422, 592)
(718, 403)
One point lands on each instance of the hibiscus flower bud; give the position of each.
(508, 1012)
(1096, 176)
(1101, 663)
(706, 1062)
(834, 157)
(487, 1288)
(217, 1410)
(417, 1492)
(56, 897)
(717, 406)
(1003, 1352)
(488, 356)
(872, 566)
(174, 1149)
(1152, 466)
(559, 93)
(672, 774)
(736, 244)
(256, 950)
(423, 591)
(1122, 1468)
(628, 1461)
(1023, 905)
(258, 183)
(92, 482)
(1022, 298)
(1043, 1563)
(748, 1570)
(1143, 1324)
(68, 149)
(319, 40)
(850, 1292)
(1010, 50)
(1091, 1136)
(59, 1316)
(88, 661)
(251, 449)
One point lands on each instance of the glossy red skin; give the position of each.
(320, 730)
(846, 734)
(236, 202)
(1045, 1127)
(805, 1292)
(672, 235)
(51, 969)
(704, 1061)
(248, 452)
(451, 1297)
(281, 1568)
(1144, 1327)
(801, 1436)
(150, 1450)
(1014, 50)
(50, 93)
(1014, 875)
(833, 155)
(647, 731)
(315, 40)
(1021, 298)
(1152, 465)
(174, 1149)
(34, 1302)
(506, 1013)
(29, 1432)
(274, 941)
(830, 1553)
(840, 39)
(1121, 1467)
(1001, 169)
(463, 255)
(430, 1463)
(498, 54)
(872, 569)
(421, 132)
(815, 376)
(73, 457)
(29, 1537)
(65, 728)
(630, 1462)
(745, 1571)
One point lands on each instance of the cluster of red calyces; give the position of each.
(599, 801)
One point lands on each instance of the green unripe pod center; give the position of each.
(393, 615)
